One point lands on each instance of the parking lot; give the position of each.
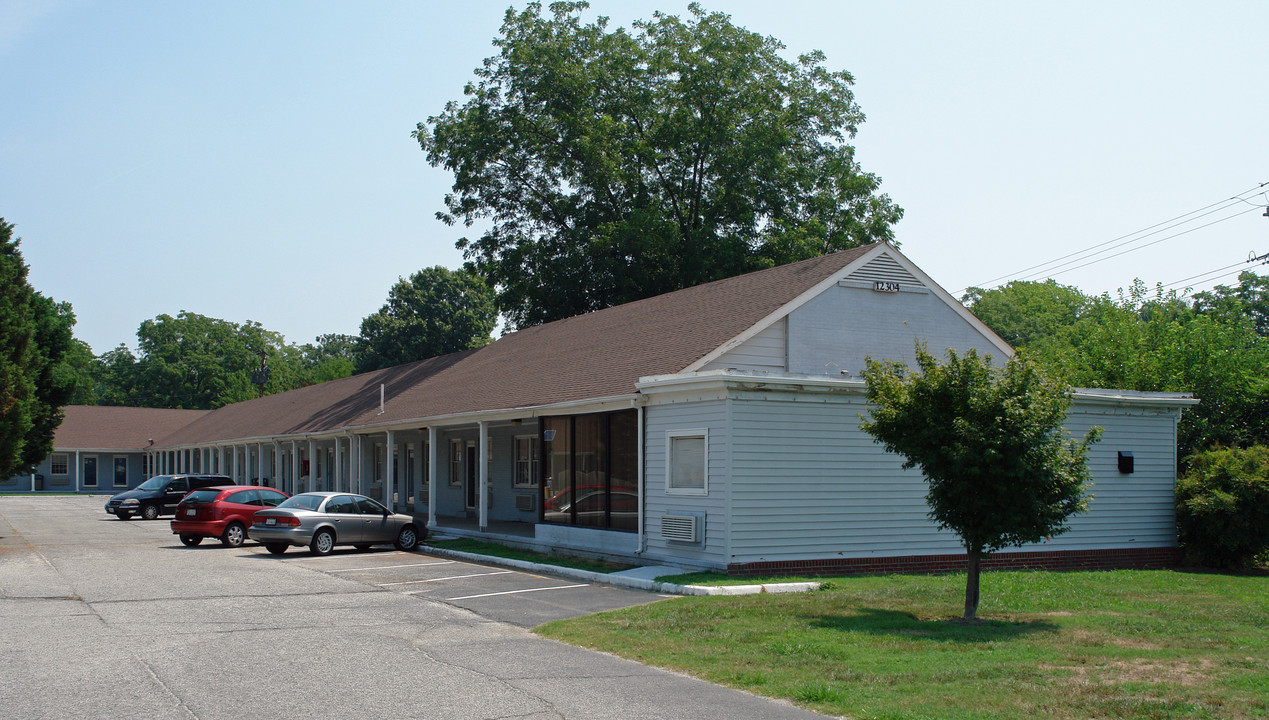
(499, 593)
(101, 618)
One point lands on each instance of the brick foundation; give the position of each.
(1136, 558)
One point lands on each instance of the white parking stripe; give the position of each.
(451, 577)
(514, 592)
(389, 567)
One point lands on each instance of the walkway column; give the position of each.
(296, 481)
(339, 465)
(431, 477)
(312, 464)
(483, 478)
(260, 463)
(390, 470)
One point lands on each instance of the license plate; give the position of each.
(271, 521)
(191, 513)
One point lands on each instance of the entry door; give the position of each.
(471, 471)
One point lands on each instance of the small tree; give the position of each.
(990, 442)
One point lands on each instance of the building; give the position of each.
(713, 427)
(101, 449)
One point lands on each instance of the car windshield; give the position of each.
(305, 502)
(200, 497)
(155, 483)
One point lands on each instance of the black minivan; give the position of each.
(160, 494)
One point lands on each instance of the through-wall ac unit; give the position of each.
(524, 503)
(683, 527)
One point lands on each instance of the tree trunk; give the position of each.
(971, 583)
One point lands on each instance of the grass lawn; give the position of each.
(1124, 644)
(503, 551)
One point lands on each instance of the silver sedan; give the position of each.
(322, 520)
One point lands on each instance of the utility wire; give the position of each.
(1124, 239)
(1139, 247)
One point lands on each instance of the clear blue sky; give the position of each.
(253, 160)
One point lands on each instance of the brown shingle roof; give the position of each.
(92, 427)
(596, 355)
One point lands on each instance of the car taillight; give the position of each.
(278, 521)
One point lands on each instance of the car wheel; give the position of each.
(234, 534)
(323, 543)
(191, 540)
(123, 515)
(408, 538)
(362, 546)
(149, 512)
(275, 548)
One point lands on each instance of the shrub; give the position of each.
(1222, 505)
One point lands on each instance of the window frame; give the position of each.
(456, 450)
(114, 470)
(516, 462)
(688, 433)
(53, 463)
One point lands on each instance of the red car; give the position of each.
(223, 512)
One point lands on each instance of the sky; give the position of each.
(253, 161)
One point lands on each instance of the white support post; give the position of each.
(431, 476)
(312, 464)
(296, 481)
(483, 478)
(79, 474)
(339, 466)
(260, 462)
(389, 470)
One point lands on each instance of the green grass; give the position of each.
(481, 547)
(1125, 644)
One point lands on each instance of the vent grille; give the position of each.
(681, 528)
(886, 269)
(524, 503)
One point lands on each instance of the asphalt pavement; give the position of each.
(101, 618)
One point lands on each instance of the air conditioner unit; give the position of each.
(524, 503)
(685, 528)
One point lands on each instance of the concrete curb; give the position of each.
(621, 581)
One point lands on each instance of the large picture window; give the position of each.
(590, 472)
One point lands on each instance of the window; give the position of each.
(378, 472)
(121, 471)
(590, 470)
(245, 497)
(271, 498)
(686, 462)
(342, 505)
(59, 464)
(455, 463)
(524, 472)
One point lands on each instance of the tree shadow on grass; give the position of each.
(877, 621)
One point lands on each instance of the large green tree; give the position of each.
(990, 442)
(616, 165)
(435, 312)
(35, 335)
(17, 350)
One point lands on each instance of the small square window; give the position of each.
(687, 462)
(59, 464)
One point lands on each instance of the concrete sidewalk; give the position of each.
(640, 578)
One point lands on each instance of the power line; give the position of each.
(1261, 260)
(1137, 236)
(1139, 247)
